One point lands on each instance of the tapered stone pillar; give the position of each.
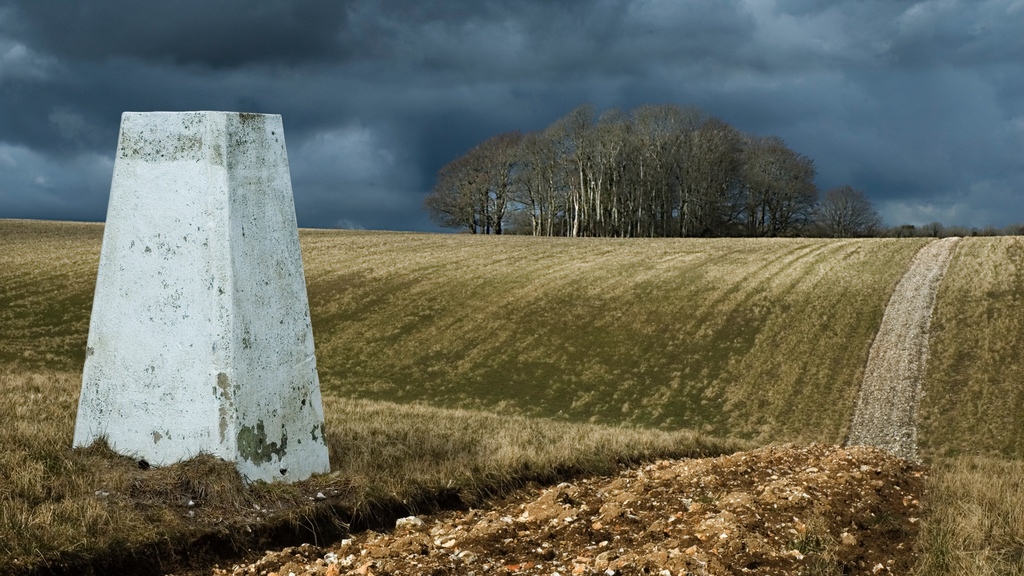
(200, 338)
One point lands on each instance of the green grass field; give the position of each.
(542, 357)
(974, 395)
(760, 339)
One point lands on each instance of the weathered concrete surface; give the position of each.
(200, 338)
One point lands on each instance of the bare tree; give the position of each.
(658, 171)
(932, 230)
(540, 188)
(711, 174)
(451, 203)
(846, 213)
(499, 157)
(473, 191)
(573, 137)
(659, 156)
(779, 187)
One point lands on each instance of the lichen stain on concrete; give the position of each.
(154, 149)
(217, 154)
(319, 429)
(224, 385)
(249, 117)
(223, 422)
(253, 445)
(157, 436)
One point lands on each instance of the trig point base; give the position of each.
(200, 338)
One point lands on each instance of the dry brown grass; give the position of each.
(975, 520)
(59, 505)
(406, 449)
(970, 423)
(48, 501)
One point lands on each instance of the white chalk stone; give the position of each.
(200, 338)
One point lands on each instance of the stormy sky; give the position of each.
(920, 105)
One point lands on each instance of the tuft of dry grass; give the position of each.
(821, 544)
(404, 450)
(51, 499)
(975, 518)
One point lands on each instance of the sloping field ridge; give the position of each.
(763, 339)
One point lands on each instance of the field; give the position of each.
(759, 339)
(974, 400)
(463, 365)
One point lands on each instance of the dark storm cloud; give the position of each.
(218, 33)
(916, 103)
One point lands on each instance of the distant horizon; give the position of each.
(946, 227)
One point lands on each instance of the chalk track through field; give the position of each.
(886, 411)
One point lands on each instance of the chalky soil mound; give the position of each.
(890, 393)
(777, 510)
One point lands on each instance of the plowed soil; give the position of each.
(777, 510)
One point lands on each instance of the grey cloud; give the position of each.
(943, 32)
(916, 103)
(33, 185)
(219, 34)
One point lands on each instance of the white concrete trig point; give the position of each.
(200, 339)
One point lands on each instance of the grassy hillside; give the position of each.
(47, 276)
(761, 339)
(756, 338)
(974, 390)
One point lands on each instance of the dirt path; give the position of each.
(885, 416)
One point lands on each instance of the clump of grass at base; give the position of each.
(59, 504)
(51, 498)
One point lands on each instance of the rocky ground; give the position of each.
(777, 510)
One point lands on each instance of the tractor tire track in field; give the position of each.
(886, 411)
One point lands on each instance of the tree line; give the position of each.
(657, 171)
